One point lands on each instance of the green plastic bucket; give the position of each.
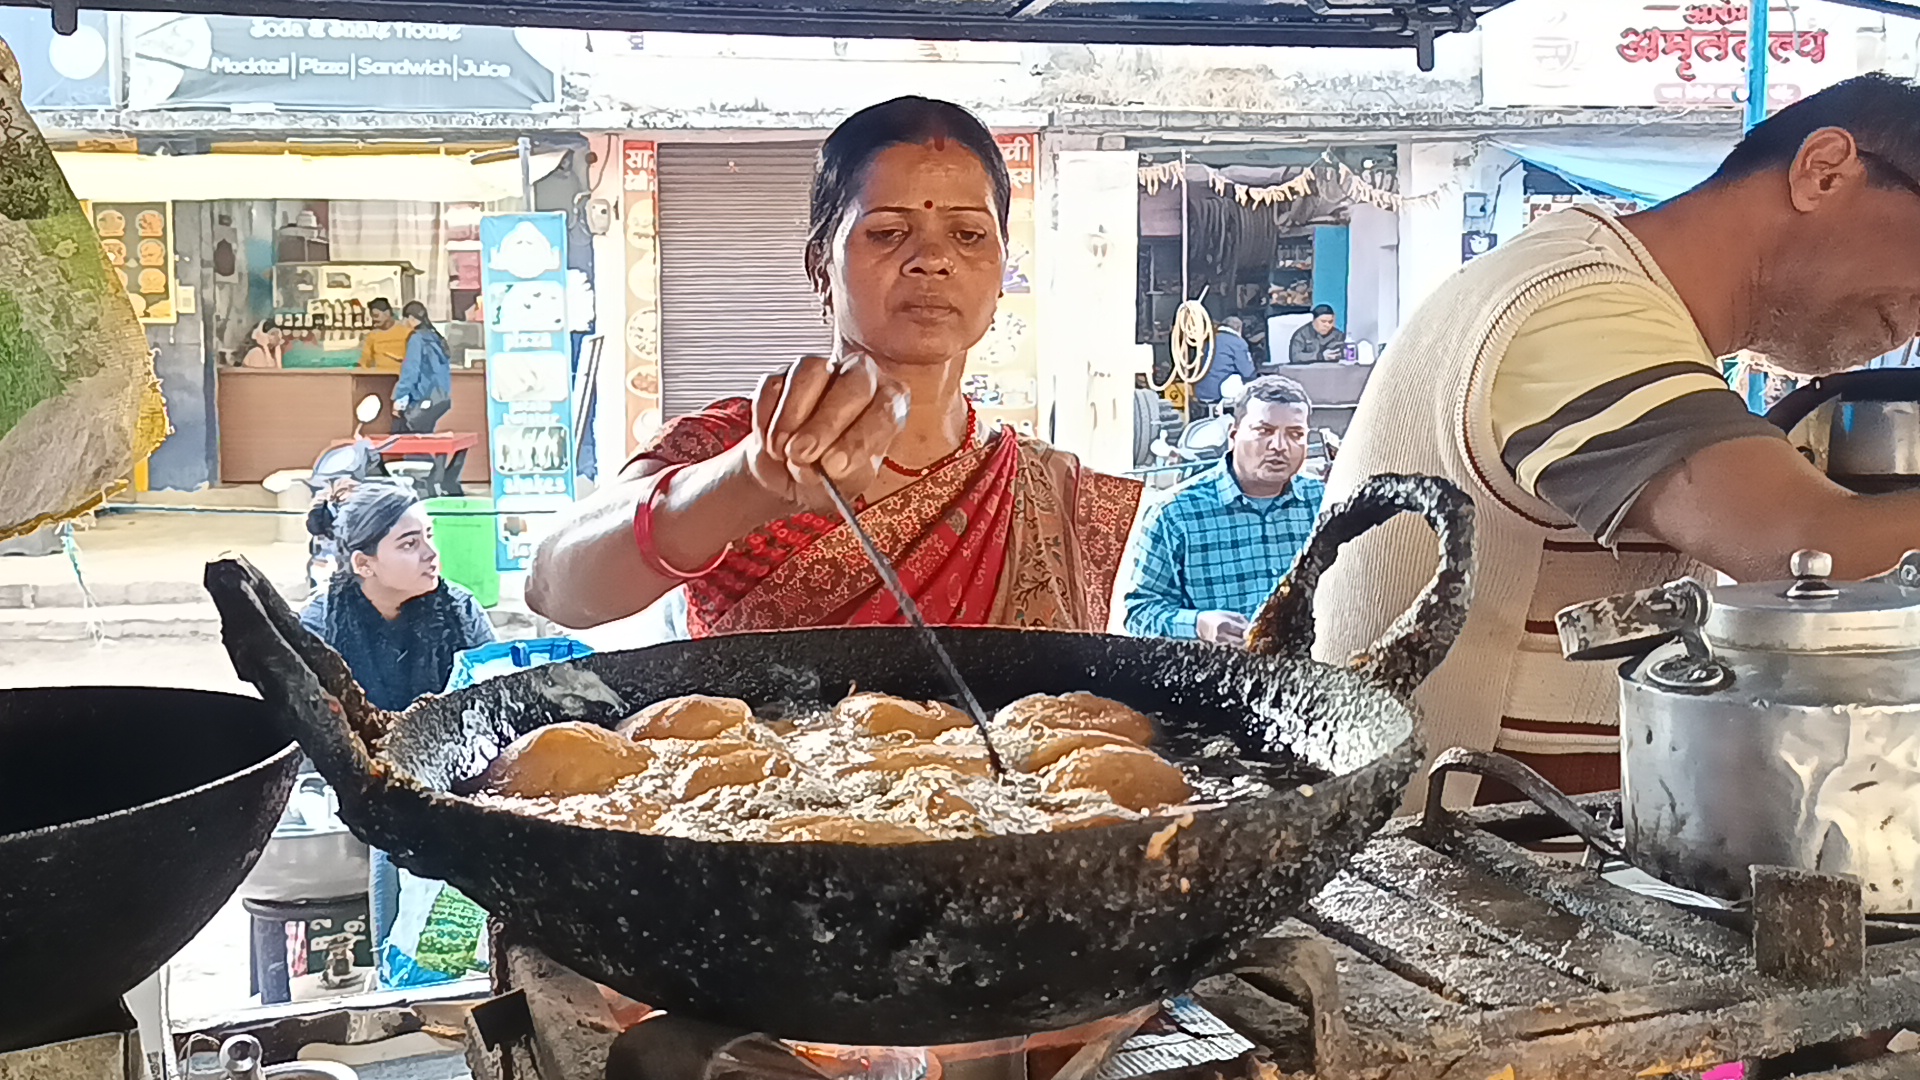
(463, 530)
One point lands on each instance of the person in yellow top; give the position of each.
(385, 346)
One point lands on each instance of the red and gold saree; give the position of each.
(1013, 533)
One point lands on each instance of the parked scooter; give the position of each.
(356, 461)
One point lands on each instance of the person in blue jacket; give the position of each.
(424, 391)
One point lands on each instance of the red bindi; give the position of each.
(929, 204)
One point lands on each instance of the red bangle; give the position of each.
(643, 532)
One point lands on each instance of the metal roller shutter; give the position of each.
(734, 297)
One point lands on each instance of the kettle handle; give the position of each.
(1631, 624)
(1878, 384)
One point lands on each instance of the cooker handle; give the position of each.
(316, 700)
(1419, 639)
(1631, 624)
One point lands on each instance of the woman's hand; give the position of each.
(823, 416)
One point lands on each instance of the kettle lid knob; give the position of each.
(1807, 563)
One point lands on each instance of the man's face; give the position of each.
(381, 319)
(1270, 442)
(1841, 284)
(1323, 325)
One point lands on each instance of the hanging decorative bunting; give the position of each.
(1358, 187)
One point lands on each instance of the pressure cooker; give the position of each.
(1772, 723)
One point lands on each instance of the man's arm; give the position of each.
(1745, 506)
(1155, 601)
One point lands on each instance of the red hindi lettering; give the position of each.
(1680, 43)
(1639, 45)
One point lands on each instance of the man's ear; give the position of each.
(1827, 163)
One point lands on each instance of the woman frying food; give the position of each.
(987, 527)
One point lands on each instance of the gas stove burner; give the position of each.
(558, 1025)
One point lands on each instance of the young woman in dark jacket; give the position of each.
(391, 616)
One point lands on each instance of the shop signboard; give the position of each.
(523, 281)
(59, 71)
(229, 61)
(1599, 53)
(640, 215)
(138, 240)
(1002, 376)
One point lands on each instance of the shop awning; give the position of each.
(342, 177)
(1413, 23)
(1647, 168)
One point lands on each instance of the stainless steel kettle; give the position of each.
(1870, 441)
(1772, 723)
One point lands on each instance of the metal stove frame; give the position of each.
(1448, 951)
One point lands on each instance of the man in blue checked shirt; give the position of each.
(1206, 559)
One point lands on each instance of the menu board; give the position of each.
(523, 277)
(138, 240)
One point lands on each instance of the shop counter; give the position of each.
(282, 418)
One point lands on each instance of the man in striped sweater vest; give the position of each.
(1569, 381)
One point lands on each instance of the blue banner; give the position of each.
(523, 285)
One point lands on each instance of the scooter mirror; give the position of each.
(368, 410)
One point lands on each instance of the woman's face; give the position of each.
(914, 272)
(406, 564)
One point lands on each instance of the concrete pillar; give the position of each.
(1090, 261)
(1430, 229)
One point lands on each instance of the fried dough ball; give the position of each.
(745, 766)
(696, 716)
(561, 760)
(1078, 711)
(884, 714)
(929, 794)
(1033, 749)
(1131, 776)
(965, 760)
(842, 830)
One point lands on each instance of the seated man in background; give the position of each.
(1318, 341)
(1206, 559)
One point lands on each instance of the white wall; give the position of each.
(1373, 269)
(1430, 228)
(1087, 351)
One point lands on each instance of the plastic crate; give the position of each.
(506, 657)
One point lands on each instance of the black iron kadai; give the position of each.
(913, 944)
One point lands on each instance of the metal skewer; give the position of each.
(888, 577)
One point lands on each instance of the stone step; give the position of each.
(121, 594)
(177, 620)
(117, 621)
